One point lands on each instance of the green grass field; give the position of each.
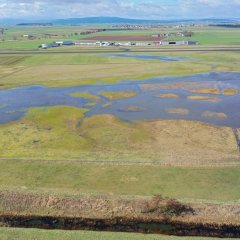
(196, 184)
(31, 234)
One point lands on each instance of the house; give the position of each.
(43, 46)
(30, 37)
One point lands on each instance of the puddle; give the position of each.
(153, 99)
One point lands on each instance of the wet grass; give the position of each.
(85, 95)
(34, 234)
(64, 132)
(79, 69)
(81, 74)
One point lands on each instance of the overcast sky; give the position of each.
(147, 9)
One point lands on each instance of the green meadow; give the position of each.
(72, 177)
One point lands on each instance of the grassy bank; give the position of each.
(76, 178)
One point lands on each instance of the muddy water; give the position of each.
(166, 227)
(146, 105)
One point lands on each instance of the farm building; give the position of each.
(186, 34)
(85, 43)
(68, 43)
(30, 37)
(165, 43)
(49, 45)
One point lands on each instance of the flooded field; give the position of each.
(211, 97)
(149, 57)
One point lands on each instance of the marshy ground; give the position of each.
(121, 127)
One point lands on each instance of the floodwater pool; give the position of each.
(210, 97)
(149, 57)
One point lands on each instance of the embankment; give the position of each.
(158, 215)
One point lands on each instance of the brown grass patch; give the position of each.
(204, 98)
(214, 114)
(25, 203)
(230, 91)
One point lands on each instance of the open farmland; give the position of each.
(13, 37)
(114, 129)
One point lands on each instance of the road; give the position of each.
(117, 50)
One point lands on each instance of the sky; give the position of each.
(141, 9)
